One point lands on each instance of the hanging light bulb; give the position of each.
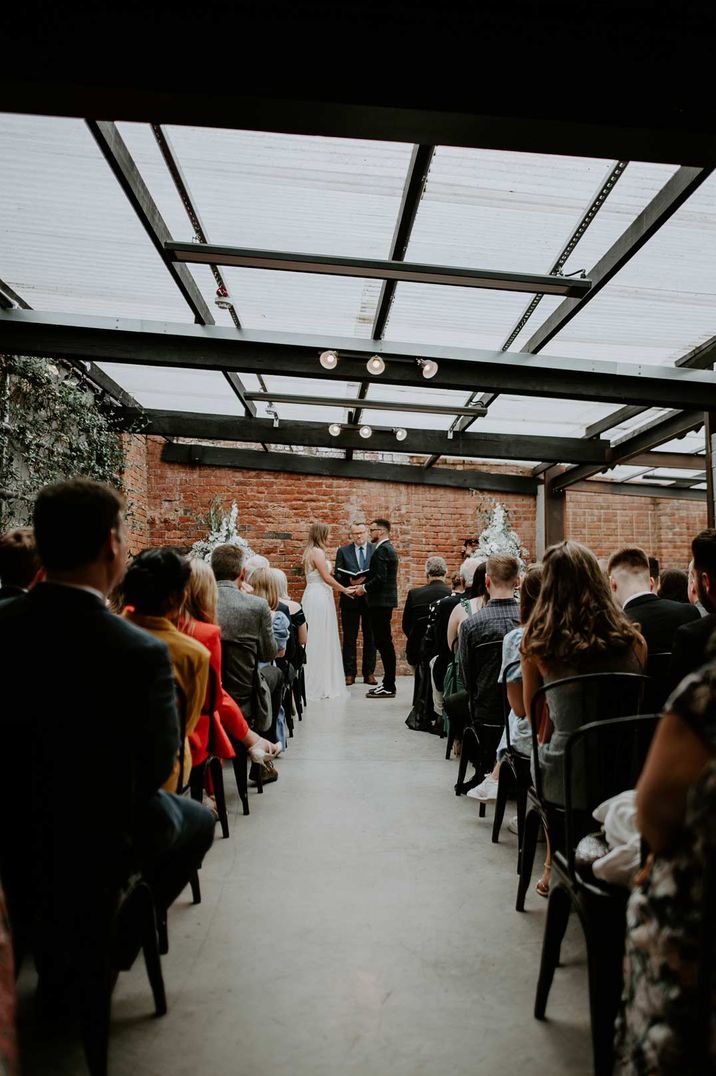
(334, 429)
(400, 434)
(365, 431)
(375, 365)
(428, 366)
(328, 360)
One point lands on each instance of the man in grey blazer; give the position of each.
(246, 633)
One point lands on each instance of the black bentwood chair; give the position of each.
(601, 759)
(590, 697)
(211, 765)
(483, 734)
(515, 775)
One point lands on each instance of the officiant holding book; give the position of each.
(352, 563)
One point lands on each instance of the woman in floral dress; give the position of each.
(668, 1023)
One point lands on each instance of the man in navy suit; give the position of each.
(355, 557)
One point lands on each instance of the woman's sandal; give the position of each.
(542, 886)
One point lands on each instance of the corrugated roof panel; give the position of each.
(464, 317)
(539, 417)
(293, 192)
(166, 388)
(70, 240)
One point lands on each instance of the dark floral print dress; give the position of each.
(668, 1019)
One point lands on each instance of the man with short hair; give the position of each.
(89, 729)
(440, 613)
(244, 619)
(691, 647)
(352, 563)
(19, 563)
(631, 582)
(417, 603)
(692, 590)
(381, 589)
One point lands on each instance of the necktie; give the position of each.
(361, 558)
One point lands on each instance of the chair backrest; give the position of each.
(239, 672)
(505, 701)
(414, 641)
(659, 687)
(182, 707)
(480, 679)
(601, 759)
(591, 697)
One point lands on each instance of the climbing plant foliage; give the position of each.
(52, 427)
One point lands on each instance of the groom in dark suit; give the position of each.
(381, 589)
(356, 557)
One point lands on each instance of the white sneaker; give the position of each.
(512, 825)
(485, 791)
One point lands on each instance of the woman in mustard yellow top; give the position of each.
(154, 589)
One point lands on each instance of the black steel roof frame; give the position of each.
(316, 435)
(296, 355)
(370, 405)
(212, 456)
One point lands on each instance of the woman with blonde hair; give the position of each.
(198, 620)
(325, 678)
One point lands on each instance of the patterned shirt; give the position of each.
(490, 624)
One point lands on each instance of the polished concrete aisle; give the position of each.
(359, 921)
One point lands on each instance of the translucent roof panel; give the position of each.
(166, 388)
(309, 411)
(464, 317)
(403, 418)
(279, 191)
(496, 210)
(539, 417)
(70, 240)
(301, 303)
(691, 442)
(661, 304)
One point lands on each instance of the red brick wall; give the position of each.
(136, 485)
(664, 528)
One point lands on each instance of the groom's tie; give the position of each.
(361, 558)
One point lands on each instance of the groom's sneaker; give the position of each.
(380, 692)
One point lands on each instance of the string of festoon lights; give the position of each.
(375, 366)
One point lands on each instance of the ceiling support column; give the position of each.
(550, 512)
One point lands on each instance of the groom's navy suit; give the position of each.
(354, 612)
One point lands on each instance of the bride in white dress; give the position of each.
(325, 678)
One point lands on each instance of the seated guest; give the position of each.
(250, 565)
(265, 585)
(9, 1062)
(198, 620)
(689, 650)
(472, 574)
(654, 574)
(154, 589)
(575, 628)
(520, 731)
(476, 599)
(19, 563)
(692, 590)
(674, 585)
(89, 710)
(457, 584)
(666, 1025)
(292, 609)
(417, 602)
(657, 617)
(247, 637)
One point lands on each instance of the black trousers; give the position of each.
(380, 621)
(354, 612)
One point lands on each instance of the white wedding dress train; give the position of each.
(325, 678)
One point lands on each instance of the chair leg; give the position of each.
(481, 811)
(529, 847)
(195, 887)
(196, 781)
(555, 925)
(605, 952)
(521, 812)
(95, 1002)
(239, 763)
(150, 948)
(500, 803)
(217, 780)
(450, 743)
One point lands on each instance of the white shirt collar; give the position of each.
(632, 597)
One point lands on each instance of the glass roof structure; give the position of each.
(78, 244)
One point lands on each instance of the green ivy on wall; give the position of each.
(52, 426)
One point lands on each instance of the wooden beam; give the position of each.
(642, 489)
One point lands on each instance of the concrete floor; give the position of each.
(359, 922)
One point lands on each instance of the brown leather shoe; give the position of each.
(369, 679)
(350, 680)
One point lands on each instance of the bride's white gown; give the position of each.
(325, 678)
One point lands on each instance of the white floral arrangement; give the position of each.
(499, 537)
(223, 531)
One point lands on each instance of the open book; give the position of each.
(353, 575)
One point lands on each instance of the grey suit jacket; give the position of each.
(246, 633)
